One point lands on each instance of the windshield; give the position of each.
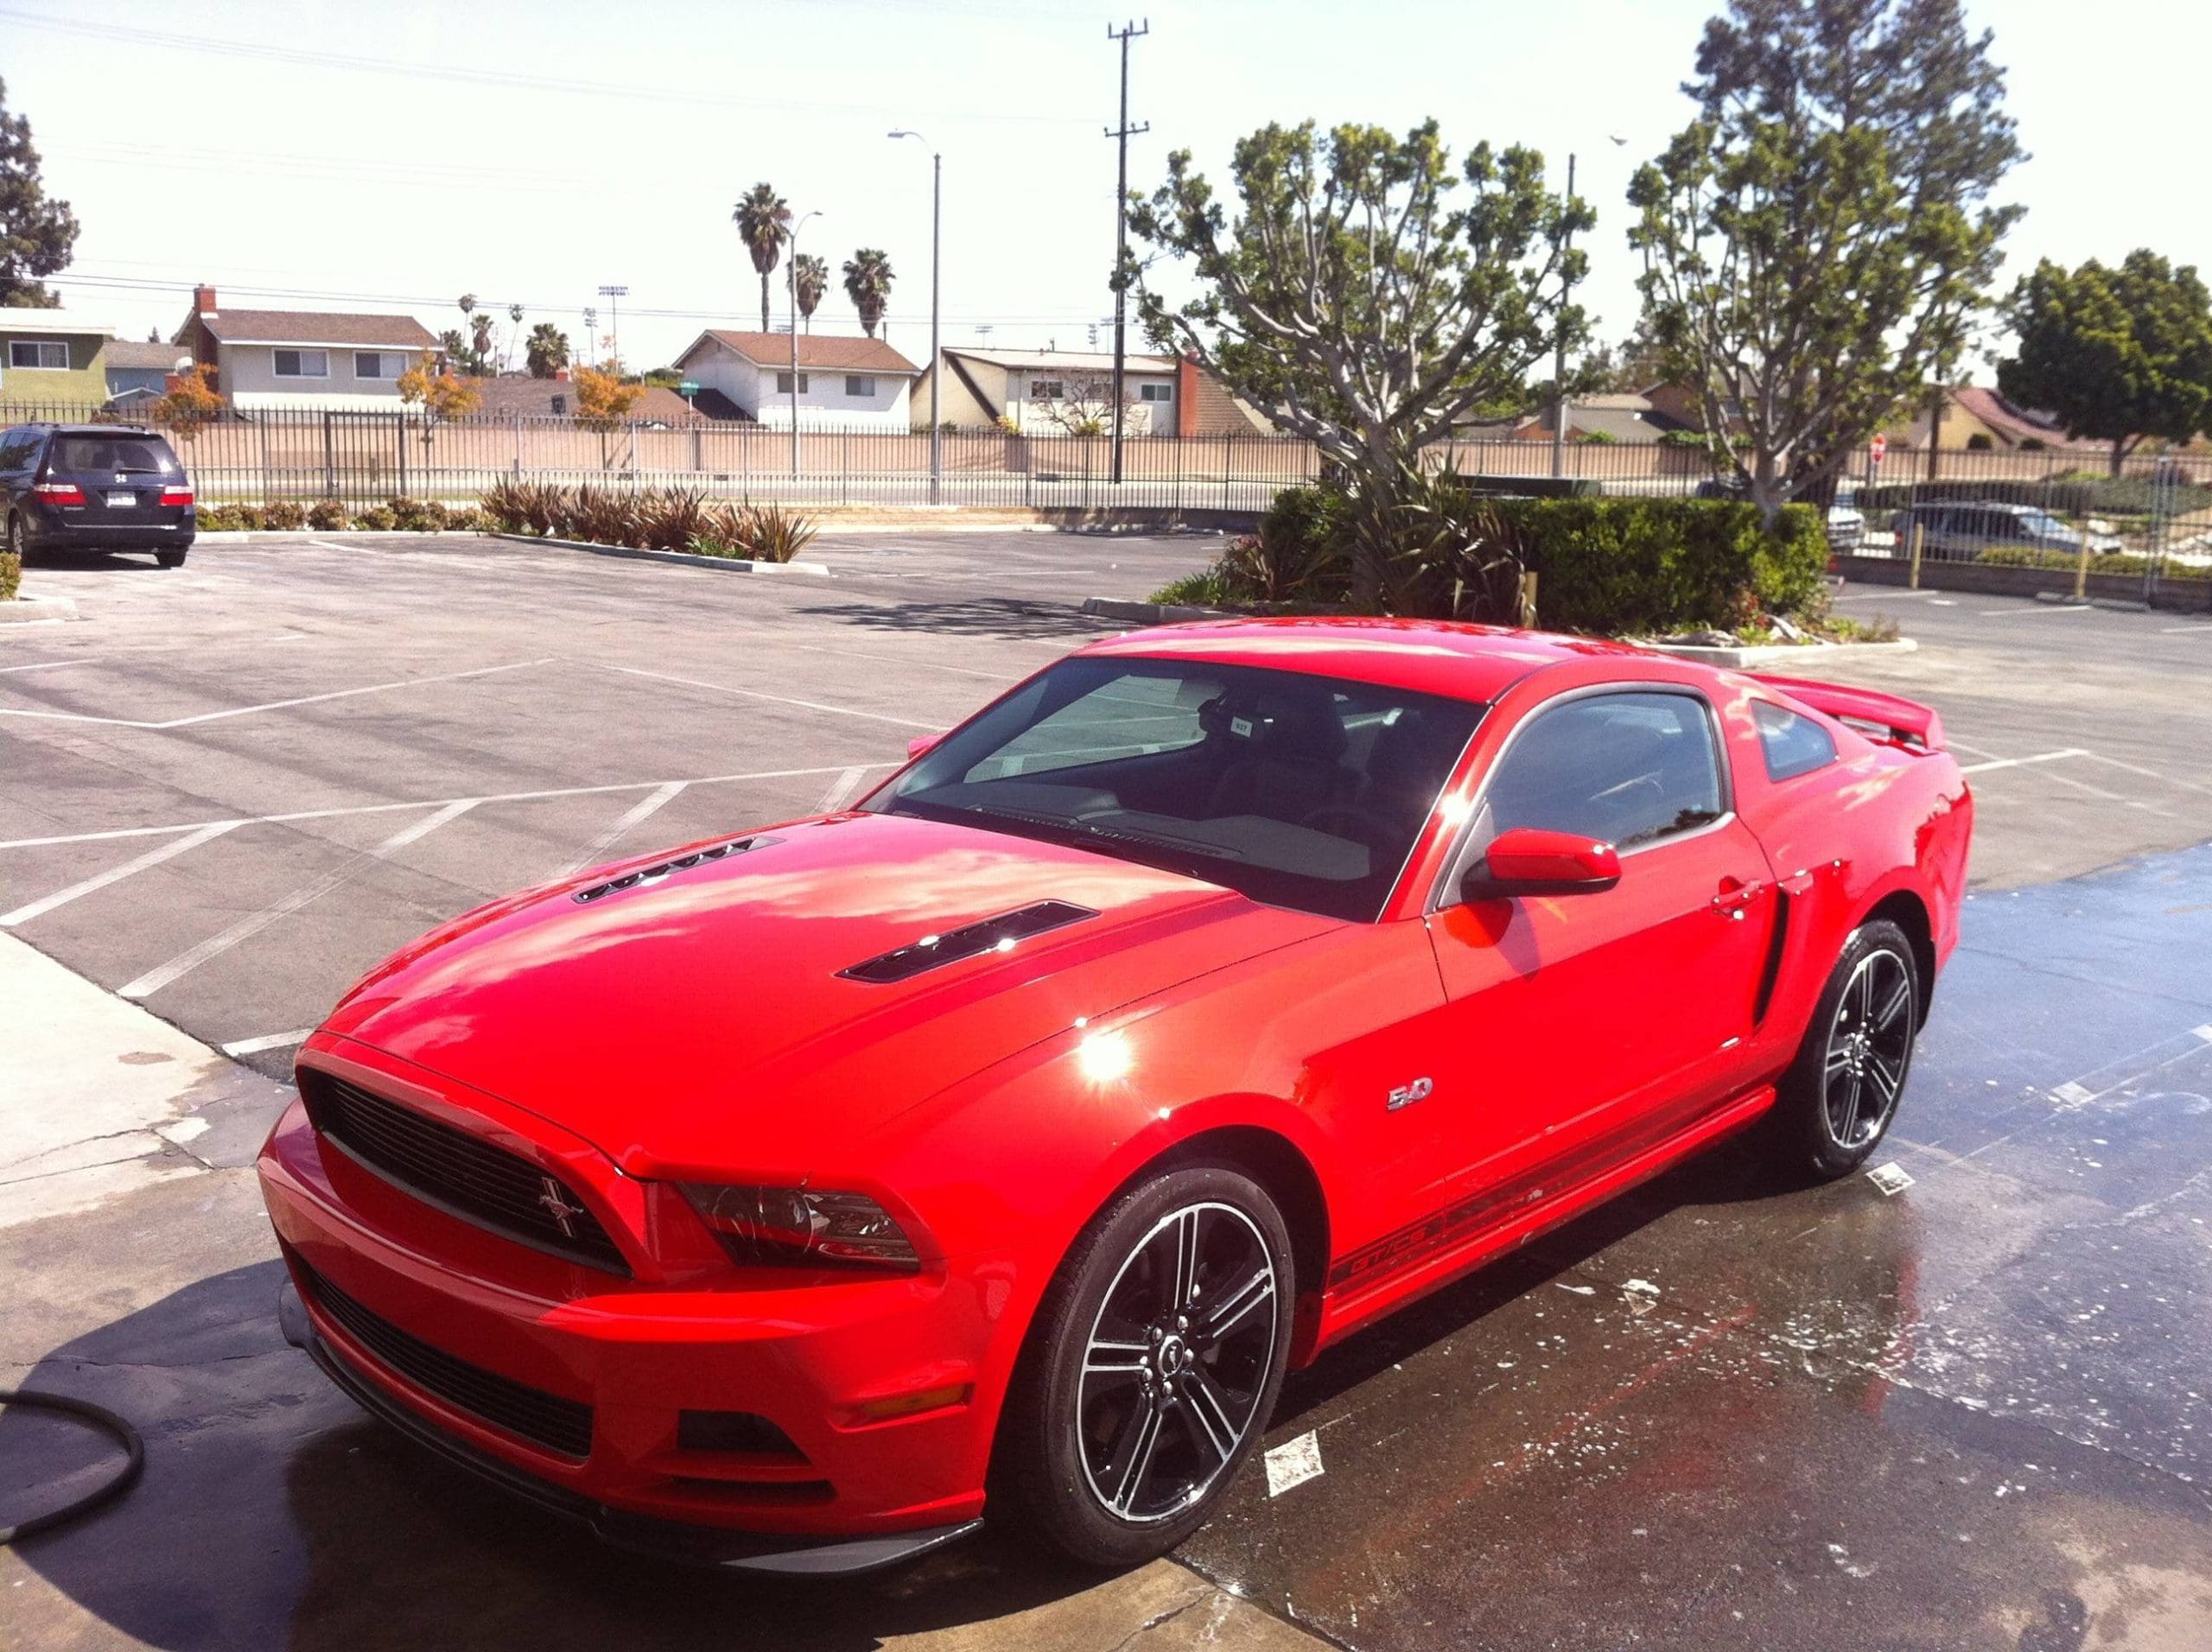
(120, 454)
(1301, 792)
(2044, 522)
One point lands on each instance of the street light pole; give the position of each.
(936, 357)
(614, 295)
(791, 273)
(1559, 360)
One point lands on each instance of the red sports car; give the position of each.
(786, 1200)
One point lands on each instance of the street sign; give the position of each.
(1877, 447)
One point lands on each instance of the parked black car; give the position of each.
(95, 487)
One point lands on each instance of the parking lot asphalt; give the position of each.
(1717, 1413)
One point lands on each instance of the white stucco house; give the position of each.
(843, 382)
(318, 359)
(1044, 392)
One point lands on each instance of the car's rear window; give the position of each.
(113, 454)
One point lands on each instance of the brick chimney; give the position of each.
(560, 374)
(203, 301)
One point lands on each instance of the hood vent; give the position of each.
(681, 863)
(971, 940)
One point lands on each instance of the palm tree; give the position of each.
(868, 283)
(813, 278)
(764, 224)
(547, 351)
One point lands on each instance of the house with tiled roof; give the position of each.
(842, 382)
(324, 358)
(1043, 392)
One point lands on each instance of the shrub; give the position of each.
(287, 515)
(1206, 589)
(467, 519)
(327, 516)
(416, 516)
(2073, 493)
(2108, 562)
(11, 575)
(375, 520)
(778, 534)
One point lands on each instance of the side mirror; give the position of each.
(1528, 862)
(920, 744)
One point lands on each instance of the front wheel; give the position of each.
(1159, 1353)
(1840, 1095)
(18, 542)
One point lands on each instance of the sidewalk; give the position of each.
(136, 1270)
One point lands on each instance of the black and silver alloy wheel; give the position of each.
(1178, 1355)
(1150, 1367)
(1869, 1047)
(1838, 1099)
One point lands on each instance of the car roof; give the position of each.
(2012, 505)
(1438, 657)
(91, 429)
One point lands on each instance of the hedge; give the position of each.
(2072, 495)
(11, 574)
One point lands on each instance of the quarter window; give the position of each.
(1155, 393)
(1627, 769)
(1047, 389)
(375, 364)
(38, 355)
(303, 364)
(784, 384)
(860, 384)
(1793, 744)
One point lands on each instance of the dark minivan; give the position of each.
(95, 487)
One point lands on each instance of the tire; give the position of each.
(17, 541)
(169, 558)
(1841, 1093)
(1130, 1416)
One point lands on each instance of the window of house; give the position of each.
(1793, 744)
(1627, 769)
(1047, 389)
(303, 364)
(860, 384)
(376, 364)
(784, 384)
(1155, 393)
(560, 404)
(38, 355)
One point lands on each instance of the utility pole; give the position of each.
(937, 355)
(1121, 135)
(1559, 359)
(614, 295)
(792, 277)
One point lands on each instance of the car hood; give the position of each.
(697, 1023)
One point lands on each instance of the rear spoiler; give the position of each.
(1887, 717)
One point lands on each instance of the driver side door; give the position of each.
(1581, 1030)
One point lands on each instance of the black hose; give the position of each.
(101, 1418)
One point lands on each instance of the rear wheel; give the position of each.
(169, 558)
(1840, 1093)
(1159, 1353)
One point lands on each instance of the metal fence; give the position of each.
(2032, 508)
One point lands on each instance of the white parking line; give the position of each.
(45, 665)
(1881, 596)
(2019, 762)
(777, 699)
(115, 875)
(2202, 628)
(2148, 774)
(417, 803)
(269, 1041)
(185, 961)
(595, 851)
(839, 789)
(272, 705)
(2037, 607)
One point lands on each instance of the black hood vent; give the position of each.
(970, 941)
(681, 863)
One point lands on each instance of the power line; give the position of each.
(254, 51)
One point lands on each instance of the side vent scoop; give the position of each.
(971, 940)
(681, 863)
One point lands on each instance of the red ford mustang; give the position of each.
(776, 1201)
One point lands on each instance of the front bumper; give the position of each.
(661, 1539)
(864, 1478)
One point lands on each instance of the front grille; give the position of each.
(462, 1174)
(547, 1419)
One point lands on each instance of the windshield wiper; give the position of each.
(1193, 854)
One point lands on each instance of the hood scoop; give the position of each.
(665, 868)
(971, 940)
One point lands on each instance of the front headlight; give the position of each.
(766, 1226)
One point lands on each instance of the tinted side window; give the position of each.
(117, 453)
(1793, 744)
(18, 448)
(1625, 768)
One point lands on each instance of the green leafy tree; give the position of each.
(1368, 292)
(812, 275)
(36, 232)
(2116, 354)
(867, 283)
(1817, 242)
(546, 352)
(764, 224)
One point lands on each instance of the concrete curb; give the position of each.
(1768, 654)
(250, 536)
(1149, 614)
(730, 564)
(28, 609)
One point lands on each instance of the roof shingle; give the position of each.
(316, 326)
(827, 352)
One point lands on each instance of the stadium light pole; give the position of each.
(792, 273)
(937, 358)
(614, 295)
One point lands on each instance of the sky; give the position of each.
(391, 158)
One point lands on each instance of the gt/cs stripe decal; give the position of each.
(1463, 1220)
